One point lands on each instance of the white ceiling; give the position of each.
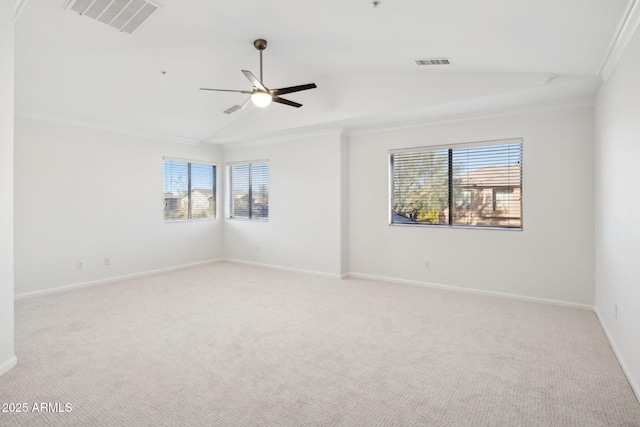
(505, 53)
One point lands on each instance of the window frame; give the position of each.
(229, 193)
(215, 177)
(451, 201)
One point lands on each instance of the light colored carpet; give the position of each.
(230, 345)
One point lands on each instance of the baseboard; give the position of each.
(625, 368)
(282, 268)
(8, 365)
(112, 279)
(470, 290)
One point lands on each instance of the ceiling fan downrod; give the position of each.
(260, 44)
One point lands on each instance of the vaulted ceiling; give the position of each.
(505, 53)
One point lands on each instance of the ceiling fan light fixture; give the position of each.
(261, 99)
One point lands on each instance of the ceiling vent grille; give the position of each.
(433, 61)
(124, 15)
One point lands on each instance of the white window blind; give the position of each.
(249, 190)
(475, 185)
(189, 190)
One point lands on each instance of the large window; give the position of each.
(189, 190)
(473, 185)
(249, 190)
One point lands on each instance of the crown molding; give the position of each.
(107, 128)
(627, 28)
(473, 116)
(416, 124)
(18, 5)
(284, 137)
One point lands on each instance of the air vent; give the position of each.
(434, 61)
(124, 15)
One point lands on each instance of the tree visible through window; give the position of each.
(189, 190)
(467, 185)
(248, 190)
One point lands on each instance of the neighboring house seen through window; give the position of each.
(249, 190)
(189, 190)
(477, 185)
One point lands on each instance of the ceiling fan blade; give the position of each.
(246, 103)
(292, 89)
(286, 102)
(227, 90)
(235, 108)
(232, 109)
(255, 82)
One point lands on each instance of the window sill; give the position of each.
(466, 227)
(173, 221)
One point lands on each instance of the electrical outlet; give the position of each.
(107, 261)
(427, 264)
(80, 265)
(257, 248)
(615, 311)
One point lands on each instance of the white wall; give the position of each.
(84, 194)
(617, 217)
(551, 259)
(305, 209)
(344, 204)
(7, 359)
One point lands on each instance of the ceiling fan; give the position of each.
(261, 96)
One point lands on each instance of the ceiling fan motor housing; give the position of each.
(260, 44)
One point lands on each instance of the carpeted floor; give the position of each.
(230, 345)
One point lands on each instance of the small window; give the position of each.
(249, 190)
(189, 191)
(463, 199)
(473, 185)
(502, 199)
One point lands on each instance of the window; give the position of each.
(189, 190)
(463, 198)
(473, 185)
(249, 190)
(502, 199)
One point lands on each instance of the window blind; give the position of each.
(421, 186)
(239, 180)
(249, 190)
(476, 185)
(189, 190)
(260, 190)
